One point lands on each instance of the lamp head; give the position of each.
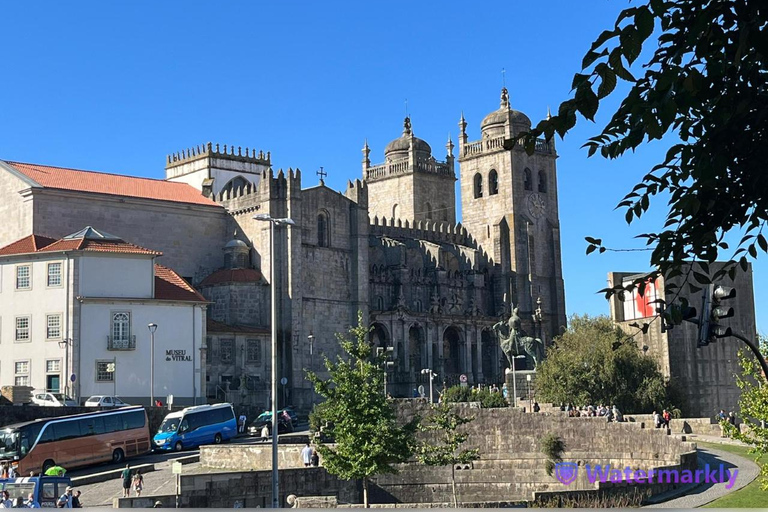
(262, 216)
(285, 222)
(152, 327)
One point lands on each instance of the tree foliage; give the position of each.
(705, 83)
(553, 447)
(594, 362)
(367, 437)
(443, 448)
(485, 396)
(754, 410)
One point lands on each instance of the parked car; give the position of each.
(104, 401)
(53, 400)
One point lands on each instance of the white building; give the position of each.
(74, 317)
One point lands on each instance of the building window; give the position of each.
(54, 274)
(53, 375)
(527, 180)
(253, 351)
(417, 307)
(22, 328)
(53, 366)
(323, 238)
(429, 211)
(53, 327)
(493, 183)
(23, 277)
(226, 348)
(121, 327)
(380, 303)
(542, 182)
(21, 373)
(105, 371)
(478, 185)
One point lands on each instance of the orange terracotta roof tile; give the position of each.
(232, 275)
(113, 184)
(170, 286)
(83, 244)
(31, 243)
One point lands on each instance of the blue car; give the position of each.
(195, 426)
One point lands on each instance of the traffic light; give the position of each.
(713, 312)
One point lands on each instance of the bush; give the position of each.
(457, 394)
(553, 447)
(488, 400)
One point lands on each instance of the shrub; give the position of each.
(553, 447)
(457, 394)
(488, 399)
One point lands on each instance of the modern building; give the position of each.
(705, 375)
(388, 245)
(74, 317)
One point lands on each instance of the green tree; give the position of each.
(753, 404)
(704, 83)
(367, 439)
(595, 362)
(444, 447)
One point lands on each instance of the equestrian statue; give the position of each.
(516, 342)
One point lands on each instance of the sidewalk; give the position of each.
(697, 495)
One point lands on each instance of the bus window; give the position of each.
(87, 427)
(135, 419)
(48, 435)
(19, 489)
(98, 425)
(113, 423)
(67, 430)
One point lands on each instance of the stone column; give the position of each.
(468, 336)
(440, 350)
(479, 351)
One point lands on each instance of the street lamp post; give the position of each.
(152, 328)
(530, 400)
(514, 379)
(265, 217)
(387, 364)
(432, 375)
(311, 339)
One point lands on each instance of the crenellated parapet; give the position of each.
(216, 150)
(357, 191)
(271, 186)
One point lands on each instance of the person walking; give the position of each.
(241, 422)
(265, 433)
(127, 478)
(656, 419)
(31, 503)
(138, 482)
(315, 458)
(306, 456)
(665, 417)
(76, 500)
(65, 500)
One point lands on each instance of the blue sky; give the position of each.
(117, 86)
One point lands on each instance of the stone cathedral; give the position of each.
(388, 245)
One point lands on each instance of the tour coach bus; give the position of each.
(193, 426)
(77, 440)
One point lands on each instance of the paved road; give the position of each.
(706, 493)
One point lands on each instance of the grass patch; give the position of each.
(750, 496)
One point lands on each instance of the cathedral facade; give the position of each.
(388, 245)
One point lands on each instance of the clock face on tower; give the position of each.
(537, 206)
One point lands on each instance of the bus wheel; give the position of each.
(178, 447)
(118, 456)
(217, 439)
(48, 464)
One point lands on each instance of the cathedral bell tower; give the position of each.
(509, 205)
(411, 184)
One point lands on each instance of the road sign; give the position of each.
(73, 377)
(463, 378)
(283, 381)
(421, 390)
(176, 468)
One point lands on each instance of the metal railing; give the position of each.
(122, 343)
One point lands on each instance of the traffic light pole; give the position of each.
(755, 350)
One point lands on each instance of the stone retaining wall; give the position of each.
(251, 457)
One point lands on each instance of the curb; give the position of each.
(109, 475)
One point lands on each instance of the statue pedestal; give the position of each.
(526, 390)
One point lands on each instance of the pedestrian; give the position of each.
(315, 458)
(55, 471)
(76, 500)
(18, 502)
(31, 503)
(65, 500)
(4, 470)
(415, 393)
(5, 500)
(241, 422)
(138, 482)
(665, 417)
(306, 456)
(288, 421)
(536, 407)
(732, 418)
(656, 419)
(126, 476)
(11, 471)
(265, 432)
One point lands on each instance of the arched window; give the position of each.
(493, 183)
(417, 307)
(542, 182)
(323, 235)
(380, 303)
(527, 180)
(478, 185)
(236, 183)
(429, 211)
(396, 211)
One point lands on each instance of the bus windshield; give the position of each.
(9, 447)
(169, 425)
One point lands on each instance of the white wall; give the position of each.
(116, 276)
(37, 303)
(175, 332)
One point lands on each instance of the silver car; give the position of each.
(53, 400)
(104, 401)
